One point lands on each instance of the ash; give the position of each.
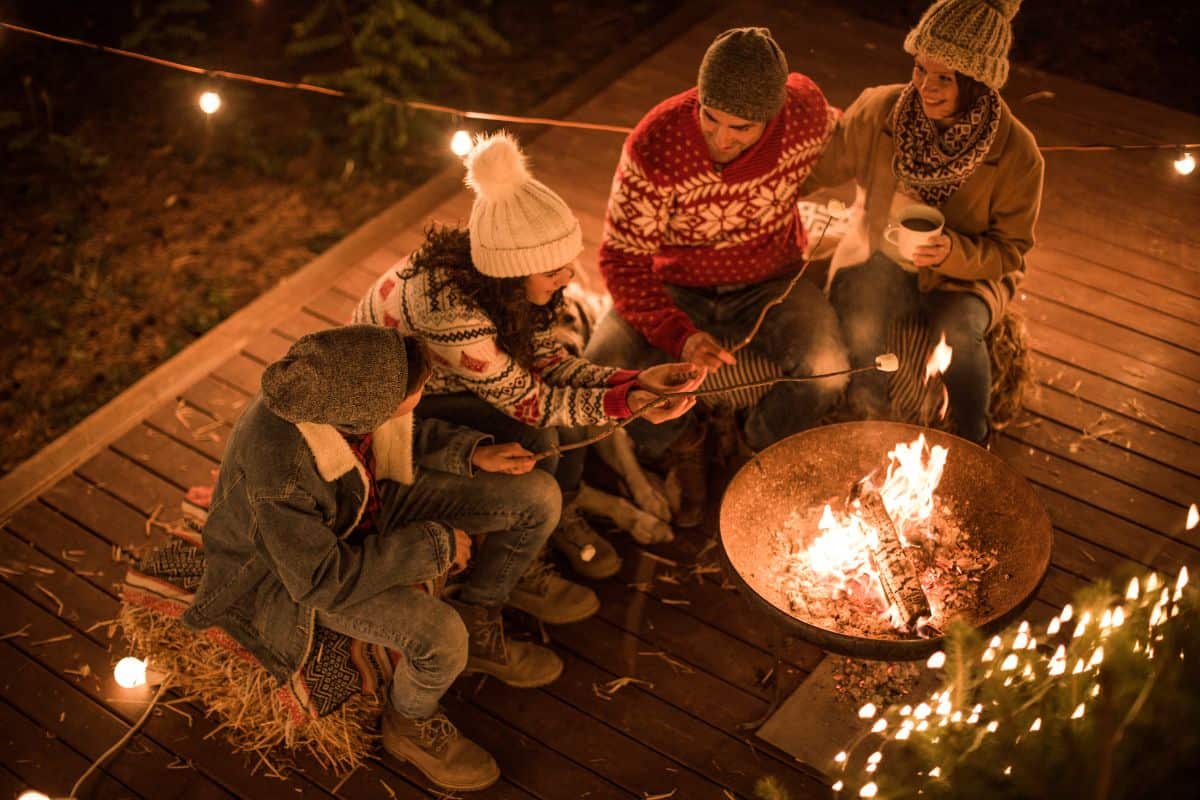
(949, 564)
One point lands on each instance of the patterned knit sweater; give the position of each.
(674, 219)
(559, 390)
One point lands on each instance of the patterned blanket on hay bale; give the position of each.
(328, 709)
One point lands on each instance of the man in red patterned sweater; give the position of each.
(702, 231)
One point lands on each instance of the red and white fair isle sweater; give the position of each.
(673, 218)
(558, 390)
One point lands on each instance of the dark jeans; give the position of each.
(468, 410)
(800, 335)
(517, 512)
(870, 296)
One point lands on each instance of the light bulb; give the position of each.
(130, 672)
(460, 143)
(1193, 515)
(1185, 164)
(210, 102)
(936, 660)
(33, 794)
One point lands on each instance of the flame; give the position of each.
(840, 555)
(939, 359)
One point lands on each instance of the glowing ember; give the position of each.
(833, 573)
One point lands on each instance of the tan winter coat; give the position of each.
(989, 219)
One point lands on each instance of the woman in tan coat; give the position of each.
(947, 140)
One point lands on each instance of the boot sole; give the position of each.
(450, 787)
(558, 620)
(529, 684)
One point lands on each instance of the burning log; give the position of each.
(897, 575)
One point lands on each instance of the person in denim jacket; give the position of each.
(334, 504)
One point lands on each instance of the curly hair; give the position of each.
(446, 256)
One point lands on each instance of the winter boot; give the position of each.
(589, 553)
(524, 665)
(434, 746)
(545, 594)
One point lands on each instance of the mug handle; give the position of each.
(887, 234)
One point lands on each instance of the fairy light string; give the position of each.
(1183, 165)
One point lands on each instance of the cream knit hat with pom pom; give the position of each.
(518, 225)
(970, 36)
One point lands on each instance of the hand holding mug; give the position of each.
(918, 236)
(703, 350)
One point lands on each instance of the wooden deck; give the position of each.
(1111, 442)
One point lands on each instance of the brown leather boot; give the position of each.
(550, 597)
(687, 469)
(524, 665)
(589, 554)
(434, 746)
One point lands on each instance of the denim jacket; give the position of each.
(275, 540)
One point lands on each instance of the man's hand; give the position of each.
(933, 253)
(666, 379)
(509, 458)
(703, 350)
(462, 551)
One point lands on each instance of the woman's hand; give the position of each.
(666, 379)
(703, 350)
(509, 458)
(934, 253)
(462, 551)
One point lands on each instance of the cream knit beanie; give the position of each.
(518, 225)
(970, 36)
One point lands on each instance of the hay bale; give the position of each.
(256, 714)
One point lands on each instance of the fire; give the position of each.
(841, 554)
(939, 359)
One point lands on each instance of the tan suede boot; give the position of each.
(553, 599)
(524, 665)
(434, 746)
(589, 553)
(686, 467)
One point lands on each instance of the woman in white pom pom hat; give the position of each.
(484, 300)
(945, 139)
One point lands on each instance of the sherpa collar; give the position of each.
(392, 444)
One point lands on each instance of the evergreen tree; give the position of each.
(1104, 704)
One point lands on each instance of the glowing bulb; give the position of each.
(1118, 617)
(840, 757)
(1151, 582)
(988, 655)
(1132, 592)
(837, 787)
(902, 734)
(1183, 576)
(868, 791)
(1008, 770)
(1037, 725)
(996, 642)
(1097, 657)
(936, 660)
(935, 772)
(1185, 164)
(1078, 712)
(1067, 611)
(210, 102)
(879, 726)
(1010, 662)
(922, 711)
(460, 143)
(875, 757)
(993, 726)
(33, 794)
(1053, 627)
(867, 711)
(130, 672)
(1020, 641)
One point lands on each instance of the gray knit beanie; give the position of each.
(970, 36)
(744, 73)
(353, 378)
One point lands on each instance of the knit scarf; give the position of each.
(933, 163)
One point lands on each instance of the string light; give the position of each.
(837, 787)
(33, 794)
(460, 143)
(879, 726)
(867, 711)
(130, 672)
(1183, 165)
(210, 102)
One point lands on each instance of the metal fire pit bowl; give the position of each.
(994, 506)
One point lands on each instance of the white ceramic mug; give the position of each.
(916, 225)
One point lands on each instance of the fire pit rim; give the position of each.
(869, 646)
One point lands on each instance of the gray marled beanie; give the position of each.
(744, 73)
(353, 378)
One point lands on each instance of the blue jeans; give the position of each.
(468, 410)
(800, 335)
(871, 296)
(517, 514)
